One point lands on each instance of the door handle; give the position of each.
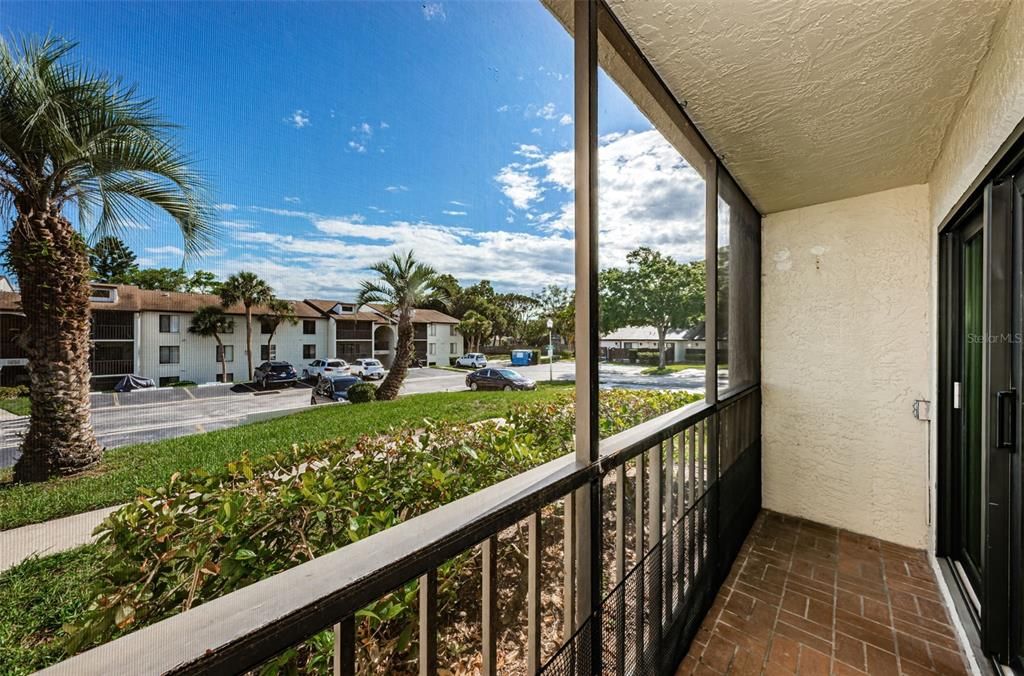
(1006, 419)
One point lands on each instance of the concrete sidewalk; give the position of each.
(49, 537)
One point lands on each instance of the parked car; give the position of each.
(368, 369)
(274, 373)
(320, 367)
(332, 388)
(473, 360)
(499, 379)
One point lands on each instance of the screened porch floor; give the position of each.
(803, 598)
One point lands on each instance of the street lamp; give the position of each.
(551, 352)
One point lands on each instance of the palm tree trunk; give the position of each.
(403, 356)
(223, 359)
(50, 260)
(248, 339)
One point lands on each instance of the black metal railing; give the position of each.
(111, 367)
(112, 332)
(677, 495)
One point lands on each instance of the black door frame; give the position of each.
(1000, 622)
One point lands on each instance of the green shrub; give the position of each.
(202, 535)
(360, 393)
(183, 383)
(647, 357)
(13, 392)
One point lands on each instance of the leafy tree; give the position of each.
(203, 281)
(74, 138)
(210, 321)
(558, 304)
(278, 312)
(653, 290)
(249, 290)
(111, 260)
(475, 328)
(516, 311)
(158, 279)
(404, 285)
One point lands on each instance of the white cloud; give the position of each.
(384, 125)
(519, 185)
(283, 212)
(453, 213)
(356, 146)
(502, 108)
(298, 119)
(547, 111)
(363, 128)
(224, 206)
(396, 188)
(458, 203)
(165, 251)
(292, 200)
(531, 152)
(433, 10)
(565, 120)
(237, 225)
(537, 131)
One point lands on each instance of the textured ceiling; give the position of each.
(816, 100)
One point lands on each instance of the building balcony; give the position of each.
(112, 332)
(111, 367)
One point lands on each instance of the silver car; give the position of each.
(368, 369)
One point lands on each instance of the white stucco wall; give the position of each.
(846, 330)
(991, 111)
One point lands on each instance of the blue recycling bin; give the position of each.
(521, 357)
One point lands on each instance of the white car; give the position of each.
(369, 369)
(473, 360)
(320, 367)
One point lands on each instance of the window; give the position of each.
(268, 352)
(230, 378)
(267, 325)
(309, 351)
(169, 323)
(170, 354)
(432, 346)
(453, 348)
(104, 295)
(169, 380)
(433, 329)
(309, 327)
(225, 353)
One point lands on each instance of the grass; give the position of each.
(17, 406)
(37, 597)
(670, 368)
(123, 470)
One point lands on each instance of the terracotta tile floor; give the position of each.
(803, 598)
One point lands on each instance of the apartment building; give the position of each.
(146, 333)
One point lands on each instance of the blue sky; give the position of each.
(336, 132)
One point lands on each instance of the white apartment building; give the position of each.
(146, 333)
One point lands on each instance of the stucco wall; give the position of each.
(846, 351)
(991, 111)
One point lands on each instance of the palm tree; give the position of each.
(210, 321)
(249, 290)
(404, 285)
(278, 312)
(75, 141)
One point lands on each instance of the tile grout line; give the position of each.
(835, 605)
(778, 611)
(888, 602)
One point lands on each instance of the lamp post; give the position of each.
(551, 352)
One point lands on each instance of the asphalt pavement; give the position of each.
(151, 415)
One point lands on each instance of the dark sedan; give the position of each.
(499, 379)
(330, 389)
(274, 373)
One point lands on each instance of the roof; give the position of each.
(325, 307)
(134, 299)
(422, 315)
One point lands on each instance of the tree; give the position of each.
(72, 138)
(278, 312)
(558, 304)
(249, 290)
(210, 321)
(111, 260)
(516, 311)
(203, 281)
(653, 290)
(158, 279)
(475, 328)
(404, 285)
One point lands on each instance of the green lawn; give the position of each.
(37, 598)
(124, 469)
(671, 368)
(17, 406)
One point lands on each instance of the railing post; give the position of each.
(489, 606)
(535, 547)
(345, 647)
(428, 624)
(588, 503)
